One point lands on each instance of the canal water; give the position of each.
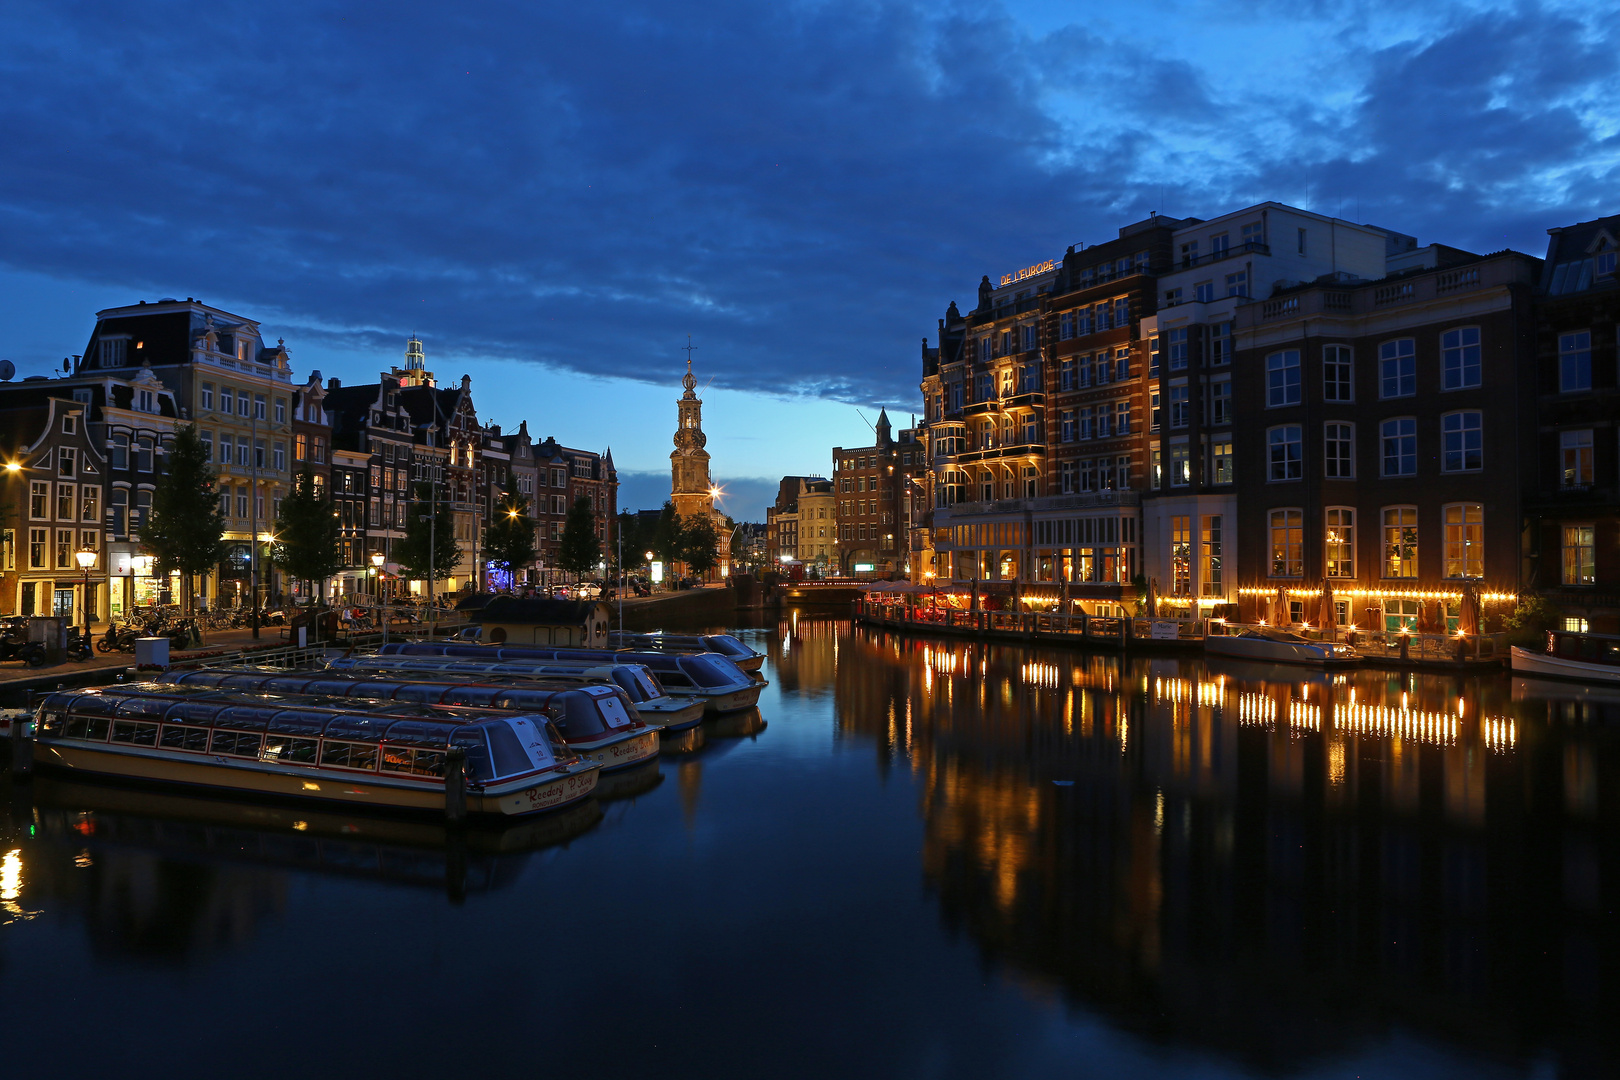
(919, 858)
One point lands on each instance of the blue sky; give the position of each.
(555, 195)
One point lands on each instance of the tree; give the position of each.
(509, 539)
(1529, 622)
(186, 527)
(412, 552)
(666, 541)
(306, 546)
(581, 549)
(700, 544)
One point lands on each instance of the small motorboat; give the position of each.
(1279, 646)
(1569, 654)
(724, 644)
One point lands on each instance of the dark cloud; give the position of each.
(800, 186)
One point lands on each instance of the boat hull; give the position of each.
(732, 700)
(675, 716)
(620, 751)
(535, 794)
(1546, 666)
(1275, 652)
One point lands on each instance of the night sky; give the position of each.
(555, 195)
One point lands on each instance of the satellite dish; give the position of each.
(7, 370)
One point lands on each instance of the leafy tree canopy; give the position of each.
(306, 530)
(186, 526)
(580, 550)
(427, 525)
(509, 539)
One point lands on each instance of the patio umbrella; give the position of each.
(1151, 604)
(1279, 608)
(1468, 619)
(1064, 595)
(1017, 595)
(1327, 616)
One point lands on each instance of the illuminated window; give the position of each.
(1580, 566)
(1287, 543)
(1341, 542)
(1400, 542)
(1465, 540)
(1575, 449)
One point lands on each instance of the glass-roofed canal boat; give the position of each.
(594, 720)
(379, 754)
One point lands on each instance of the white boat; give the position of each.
(1279, 646)
(1593, 658)
(384, 755)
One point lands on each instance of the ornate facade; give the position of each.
(691, 490)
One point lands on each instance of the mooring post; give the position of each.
(455, 785)
(22, 745)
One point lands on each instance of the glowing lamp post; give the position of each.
(87, 559)
(377, 559)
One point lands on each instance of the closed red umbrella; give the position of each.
(1327, 616)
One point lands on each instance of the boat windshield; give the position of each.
(1273, 635)
(709, 671)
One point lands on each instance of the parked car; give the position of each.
(588, 590)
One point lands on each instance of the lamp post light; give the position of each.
(377, 559)
(87, 559)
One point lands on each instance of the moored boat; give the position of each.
(721, 685)
(362, 753)
(653, 704)
(724, 644)
(1280, 646)
(1569, 654)
(595, 720)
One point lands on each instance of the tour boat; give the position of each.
(387, 755)
(1269, 643)
(596, 721)
(1569, 654)
(721, 685)
(652, 703)
(724, 644)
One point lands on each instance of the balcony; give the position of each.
(1251, 247)
(1002, 453)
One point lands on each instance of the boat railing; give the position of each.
(1393, 644)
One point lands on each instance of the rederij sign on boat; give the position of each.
(1028, 272)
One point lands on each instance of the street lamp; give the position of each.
(87, 559)
(377, 559)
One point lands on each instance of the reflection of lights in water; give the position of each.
(83, 860)
(1124, 732)
(1301, 715)
(1257, 710)
(1425, 726)
(1158, 812)
(300, 826)
(1205, 692)
(1500, 733)
(11, 875)
(1336, 762)
(1041, 674)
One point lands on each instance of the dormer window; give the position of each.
(114, 352)
(1603, 258)
(143, 401)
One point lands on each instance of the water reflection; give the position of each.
(1270, 862)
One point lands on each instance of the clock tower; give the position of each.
(689, 462)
